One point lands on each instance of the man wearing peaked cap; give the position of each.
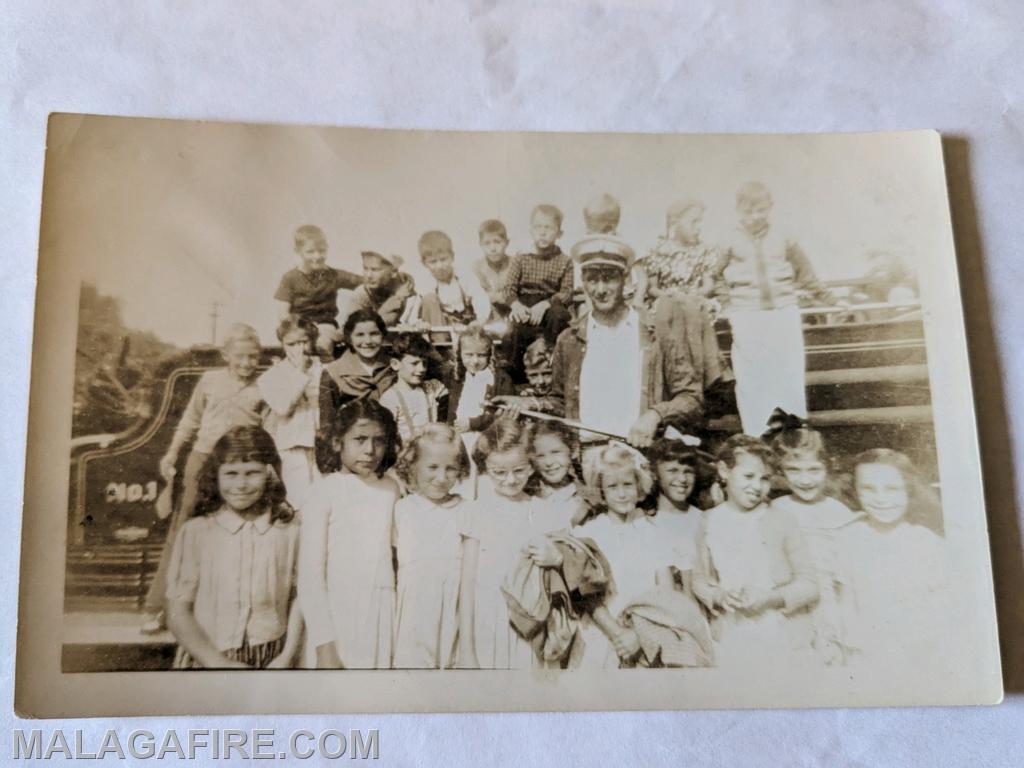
(607, 250)
(622, 370)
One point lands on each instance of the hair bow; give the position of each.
(780, 421)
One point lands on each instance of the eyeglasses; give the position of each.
(515, 472)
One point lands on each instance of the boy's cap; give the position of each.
(394, 259)
(595, 250)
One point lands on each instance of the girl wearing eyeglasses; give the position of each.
(506, 520)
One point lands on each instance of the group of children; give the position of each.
(373, 509)
(382, 550)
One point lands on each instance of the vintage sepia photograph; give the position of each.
(496, 421)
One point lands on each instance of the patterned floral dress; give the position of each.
(674, 266)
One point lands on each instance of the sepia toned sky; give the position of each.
(173, 216)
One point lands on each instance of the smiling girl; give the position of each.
(801, 458)
(554, 453)
(230, 584)
(507, 520)
(895, 560)
(364, 369)
(639, 554)
(754, 571)
(437, 555)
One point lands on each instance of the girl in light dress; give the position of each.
(801, 459)
(676, 467)
(754, 571)
(639, 554)
(437, 559)
(554, 453)
(507, 520)
(346, 575)
(896, 561)
(231, 579)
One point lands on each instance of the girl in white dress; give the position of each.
(639, 554)
(346, 576)
(435, 595)
(507, 521)
(754, 571)
(554, 453)
(896, 560)
(676, 466)
(801, 459)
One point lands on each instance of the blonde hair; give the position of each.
(439, 434)
(240, 332)
(544, 209)
(677, 210)
(752, 193)
(602, 214)
(598, 462)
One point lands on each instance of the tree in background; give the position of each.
(114, 367)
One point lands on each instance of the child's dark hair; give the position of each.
(474, 332)
(736, 445)
(362, 316)
(567, 435)
(802, 441)
(412, 345)
(538, 354)
(493, 227)
(923, 507)
(557, 429)
(504, 434)
(370, 410)
(545, 209)
(291, 323)
(665, 451)
(431, 433)
(236, 446)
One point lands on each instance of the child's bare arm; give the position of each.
(182, 622)
(623, 640)
(187, 428)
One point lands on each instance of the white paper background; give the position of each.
(613, 66)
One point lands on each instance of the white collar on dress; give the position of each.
(232, 522)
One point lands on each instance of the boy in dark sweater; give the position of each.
(310, 291)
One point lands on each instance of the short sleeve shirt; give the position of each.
(314, 295)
